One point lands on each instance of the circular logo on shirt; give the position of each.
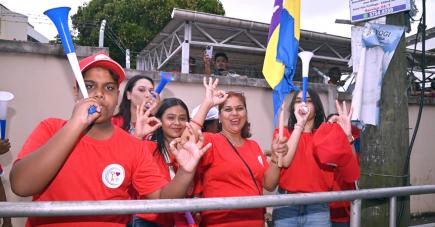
(113, 175)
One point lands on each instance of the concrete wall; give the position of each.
(422, 166)
(13, 26)
(40, 77)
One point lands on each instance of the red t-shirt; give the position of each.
(305, 173)
(340, 210)
(95, 170)
(162, 219)
(118, 121)
(223, 174)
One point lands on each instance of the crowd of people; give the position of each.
(156, 149)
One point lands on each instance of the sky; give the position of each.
(316, 15)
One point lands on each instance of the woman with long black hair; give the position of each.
(138, 103)
(315, 151)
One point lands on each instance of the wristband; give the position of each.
(298, 126)
(196, 123)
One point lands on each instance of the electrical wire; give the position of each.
(422, 29)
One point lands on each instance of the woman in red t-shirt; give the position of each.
(303, 170)
(234, 166)
(173, 114)
(139, 101)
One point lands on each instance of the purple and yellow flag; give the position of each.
(281, 56)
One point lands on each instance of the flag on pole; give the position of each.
(281, 56)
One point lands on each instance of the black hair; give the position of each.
(158, 135)
(220, 54)
(331, 115)
(334, 74)
(319, 113)
(246, 129)
(208, 124)
(124, 107)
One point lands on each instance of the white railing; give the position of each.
(74, 208)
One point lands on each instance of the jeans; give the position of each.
(340, 224)
(312, 215)
(138, 222)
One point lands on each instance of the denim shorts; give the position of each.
(311, 215)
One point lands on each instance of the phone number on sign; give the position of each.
(380, 12)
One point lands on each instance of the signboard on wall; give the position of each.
(361, 10)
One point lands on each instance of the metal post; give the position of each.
(101, 38)
(393, 208)
(139, 62)
(185, 51)
(355, 213)
(127, 58)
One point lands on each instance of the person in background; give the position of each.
(220, 65)
(211, 122)
(88, 158)
(138, 103)
(315, 153)
(334, 75)
(5, 146)
(340, 210)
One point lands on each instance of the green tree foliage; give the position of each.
(131, 24)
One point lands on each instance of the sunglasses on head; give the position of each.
(235, 93)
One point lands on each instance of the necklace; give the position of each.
(236, 144)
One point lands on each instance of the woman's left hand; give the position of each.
(189, 151)
(212, 94)
(5, 146)
(343, 118)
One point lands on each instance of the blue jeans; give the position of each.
(138, 222)
(340, 224)
(312, 215)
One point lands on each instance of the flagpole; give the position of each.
(281, 131)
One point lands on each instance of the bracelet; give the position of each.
(196, 123)
(297, 126)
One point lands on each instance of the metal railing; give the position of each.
(112, 207)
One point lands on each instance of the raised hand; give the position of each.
(279, 148)
(145, 123)
(80, 113)
(343, 118)
(207, 63)
(5, 146)
(189, 151)
(213, 95)
(301, 114)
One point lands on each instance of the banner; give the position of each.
(361, 10)
(373, 47)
